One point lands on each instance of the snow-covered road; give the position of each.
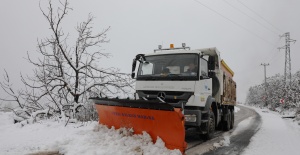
(276, 136)
(235, 141)
(266, 133)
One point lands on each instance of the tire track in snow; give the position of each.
(240, 139)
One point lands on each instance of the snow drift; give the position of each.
(79, 138)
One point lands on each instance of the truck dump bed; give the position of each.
(229, 86)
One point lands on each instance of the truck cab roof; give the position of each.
(206, 51)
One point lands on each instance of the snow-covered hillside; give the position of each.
(81, 138)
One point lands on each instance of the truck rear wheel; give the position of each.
(232, 118)
(210, 127)
(227, 122)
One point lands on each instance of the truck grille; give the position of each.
(169, 96)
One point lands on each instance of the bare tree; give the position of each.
(64, 75)
(28, 106)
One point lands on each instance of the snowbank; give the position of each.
(236, 109)
(6, 119)
(84, 139)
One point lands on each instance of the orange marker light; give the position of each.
(171, 45)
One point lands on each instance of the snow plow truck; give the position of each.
(176, 89)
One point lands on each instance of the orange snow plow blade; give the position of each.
(157, 119)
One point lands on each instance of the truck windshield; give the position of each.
(170, 67)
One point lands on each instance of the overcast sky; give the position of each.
(244, 39)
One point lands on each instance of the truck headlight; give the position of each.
(190, 118)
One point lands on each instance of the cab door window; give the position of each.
(203, 68)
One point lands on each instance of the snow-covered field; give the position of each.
(277, 136)
(82, 139)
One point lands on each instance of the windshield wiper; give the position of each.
(149, 77)
(175, 75)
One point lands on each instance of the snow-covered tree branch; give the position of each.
(66, 75)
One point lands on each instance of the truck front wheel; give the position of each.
(210, 127)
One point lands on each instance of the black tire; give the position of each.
(210, 128)
(227, 123)
(232, 119)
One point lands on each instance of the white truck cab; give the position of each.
(192, 79)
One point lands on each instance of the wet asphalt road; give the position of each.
(239, 141)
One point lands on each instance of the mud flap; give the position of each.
(157, 119)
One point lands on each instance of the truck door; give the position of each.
(203, 87)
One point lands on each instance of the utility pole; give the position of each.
(287, 65)
(265, 65)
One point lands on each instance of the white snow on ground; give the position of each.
(82, 139)
(224, 142)
(242, 126)
(276, 136)
(236, 109)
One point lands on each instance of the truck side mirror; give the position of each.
(211, 63)
(132, 75)
(133, 68)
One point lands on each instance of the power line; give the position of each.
(274, 57)
(250, 17)
(235, 23)
(270, 55)
(259, 16)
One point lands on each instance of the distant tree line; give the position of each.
(277, 93)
